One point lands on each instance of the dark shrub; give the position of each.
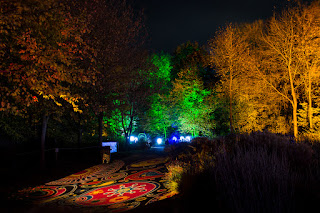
(299, 154)
(257, 172)
(254, 180)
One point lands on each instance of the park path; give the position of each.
(128, 182)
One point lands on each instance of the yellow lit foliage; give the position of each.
(269, 69)
(45, 50)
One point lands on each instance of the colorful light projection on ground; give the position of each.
(113, 187)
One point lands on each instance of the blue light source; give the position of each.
(188, 139)
(174, 138)
(181, 139)
(159, 141)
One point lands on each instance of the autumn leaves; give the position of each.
(271, 68)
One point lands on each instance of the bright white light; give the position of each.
(188, 138)
(159, 141)
(181, 138)
(133, 139)
(174, 138)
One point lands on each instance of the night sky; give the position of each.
(173, 22)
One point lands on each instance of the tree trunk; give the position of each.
(230, 117)
(310, 104)
(126, 135)
(295, 123)
(230, 104)
(294, 109)
(45, 119)
(130, 125)
(129, 129)
(100, 118)
(127, 140)
(294, 102)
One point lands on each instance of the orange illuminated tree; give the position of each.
(308, 54)
(229, 53)
(289, 58)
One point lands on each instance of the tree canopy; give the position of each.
(83, 66)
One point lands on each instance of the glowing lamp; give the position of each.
(133, 139)
(159, 141)
(174, 138)
(188, 138)
(181, 138)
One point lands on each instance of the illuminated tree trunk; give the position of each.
(282, 50)
(310, 103)
(130, 125)
(229, 56)
(45, 119)
(230, 102)
(131, 121)
(165, 132)
(295, 123)
(294, 101)
(127, 129)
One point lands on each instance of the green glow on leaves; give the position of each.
(158, 116)
(163, 63)
(192, 103)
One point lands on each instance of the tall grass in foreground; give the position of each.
(253, 180)
(260, 172)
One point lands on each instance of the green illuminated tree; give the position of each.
(120, 122)
(158, 118)
(192, 103)
(160, 74)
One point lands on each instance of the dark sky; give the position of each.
(173, 22)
